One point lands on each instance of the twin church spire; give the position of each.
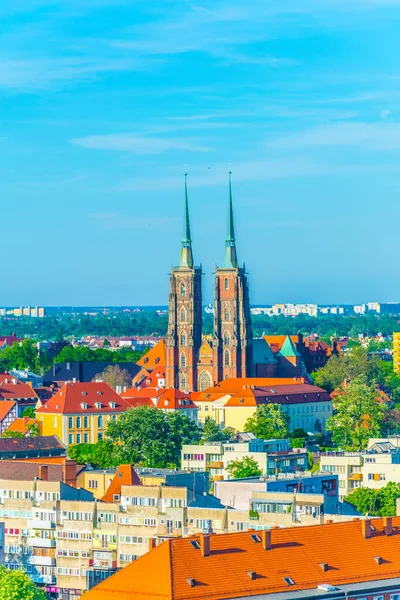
(230, 258)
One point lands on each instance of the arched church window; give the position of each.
(205, 381)
(227, 315)
(183, 359)
(183, 315)
(183, 290)
(183, 339)
(227, 359)
(227, 338)
(183, 382)
(226, 283)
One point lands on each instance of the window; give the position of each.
(85, 422)
(183, 382)
(71, 438)
(78, 422)
(78, 438)
(227, 315)
(227, 338)
(71, 422)
(205, 380)
(227, 358)
(183, 339)
(183, 315)
(183, 290)
(55, 422)
(99, 421)
(226, 284)
(183, 359)
(86, 438)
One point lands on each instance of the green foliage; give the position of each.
(246, 467)
(297, 442)
(12, 434)
(103, 455)
(16, 585)
(83, 353)
(380, 503)
(269, 421)
(29, 412)
(212, 433)
(358, 415)
(149, 437)
(346, 366)
(22, 356)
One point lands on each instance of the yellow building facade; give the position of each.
(396, 351)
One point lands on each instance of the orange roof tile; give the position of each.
(174, 399)
(73, 397)
(125, 475)
(297, 553)
(22, 425)
(155, 357)
(5, 408)
(15, 391)
(231, 386)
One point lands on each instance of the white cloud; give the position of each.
(372, 136)
(126, 142)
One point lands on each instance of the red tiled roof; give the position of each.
(279, 394)
(72, 396)
(174, 399)
(125, 475)
(22, 425)
(5, 408)
(240, 385)
(15, 391)
(168, 571)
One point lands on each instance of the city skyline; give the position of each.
(104, 102)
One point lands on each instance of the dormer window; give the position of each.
(112, 404)
(84, 393)
(83, 406)
(166, 402)
(99, 393)
(97, 404)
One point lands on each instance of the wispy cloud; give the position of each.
(126, 142)
(372, 136)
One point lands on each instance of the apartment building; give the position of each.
(272, 456)
(374, 468)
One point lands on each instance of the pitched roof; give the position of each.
(239, 384)
(156, 356)
(20, 470)
(174, 399)
(73, 397)
(276, 342)
(297, 553)
(279, 394)
(13, 389)
(5, 408)
(41, 443)
(262, 353)
(22, 425)
(84, 371)
(125, 475)
(288, 348)
(7, 378)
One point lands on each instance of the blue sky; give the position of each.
(103, 102)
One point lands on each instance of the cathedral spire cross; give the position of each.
(186, 251)
(230, 261)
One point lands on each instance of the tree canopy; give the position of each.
(269, 421)
(115, 377)
(379, 503)
(246, 467)
(359, 414)
(16, 585)
(212, 433)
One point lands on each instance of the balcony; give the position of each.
(355, 477)
(218, 477)
(42, 561)
(38, 542)
(38, 524)
(39, 578)
(215, 464)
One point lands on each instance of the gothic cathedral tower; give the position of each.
(185, 316)
(233, 336)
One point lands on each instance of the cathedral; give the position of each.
(194, 363)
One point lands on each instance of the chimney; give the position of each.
(266, 539)
(205, 544)
(388, 525)
(43, 472)
(69, 472)
(152, 543)
(366, 528)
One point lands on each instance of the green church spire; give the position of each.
(186, 251)
(230, 261)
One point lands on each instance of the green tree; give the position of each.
(354, 363)
(12, 434)
(211, 432)
(269, 421)
(29, 412)
(379, 503)
(115, 377)
(149, 437)
(16, 585)
(246, 467)
(104, 454)
(358, 415)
